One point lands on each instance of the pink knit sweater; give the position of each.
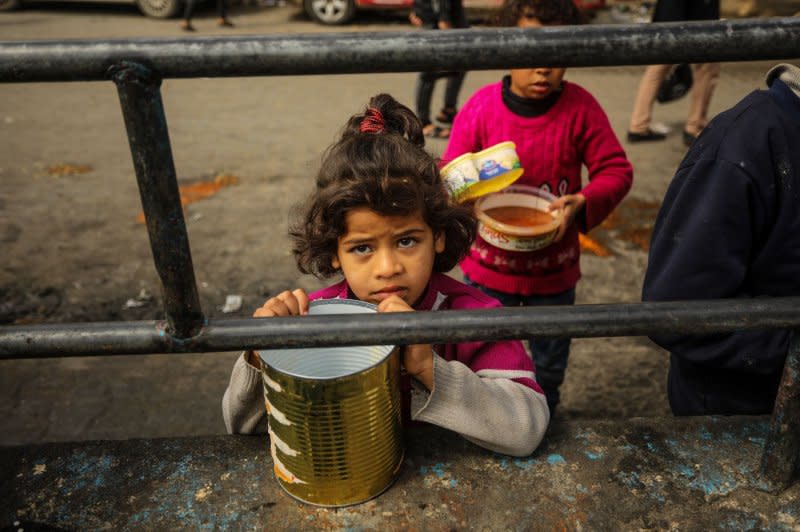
(552, 148)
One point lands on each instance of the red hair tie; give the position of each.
(372, 122)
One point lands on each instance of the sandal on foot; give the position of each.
(647, 136)
(446, 115)
(187, 26)
(436, 132)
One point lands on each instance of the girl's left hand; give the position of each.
(418, 358)
(571, 205)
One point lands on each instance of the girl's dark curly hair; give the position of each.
(379, 163)
(549, 12)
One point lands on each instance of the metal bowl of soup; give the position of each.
(517, 219)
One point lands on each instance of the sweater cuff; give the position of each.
(250, 375)
(447, 385)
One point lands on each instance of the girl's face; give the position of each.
(382, 256)
(535, 83)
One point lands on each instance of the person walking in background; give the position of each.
(558, 127)
(447, 14)
(704, 77)
(728, 228)
(222, 19)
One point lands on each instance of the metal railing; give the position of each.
(137, 67)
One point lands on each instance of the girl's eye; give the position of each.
(362, 249)
(406, 242)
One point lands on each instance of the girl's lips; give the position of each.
(385, 293)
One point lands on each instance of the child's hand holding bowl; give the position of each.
(571, 205)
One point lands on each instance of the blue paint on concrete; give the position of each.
(630, 479)
(594, 456)
(651, 446)
(790, 510)
(177, 496)
(555, 459)
(737, 525)
(524, 463)
(504, 464)
(453, 483)
(685, 470)
(713, 482)
(439, 469)
(87, 471)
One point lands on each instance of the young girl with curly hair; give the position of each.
(380, 215)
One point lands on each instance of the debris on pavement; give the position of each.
(200, 190)
(140, 300)
(232, 304)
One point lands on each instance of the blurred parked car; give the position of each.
(151, 8)
(343, 11)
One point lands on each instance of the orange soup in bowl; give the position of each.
(519, 216)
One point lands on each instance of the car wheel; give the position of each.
(8, 5)
(158, 8)
(330, 11)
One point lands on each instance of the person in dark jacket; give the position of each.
(729, 227)
(442, 15)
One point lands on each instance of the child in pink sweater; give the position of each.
(382, 217)
(557, 127)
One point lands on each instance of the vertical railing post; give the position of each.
(146, 124)
(781, 457)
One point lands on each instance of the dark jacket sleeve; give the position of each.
(710, 224)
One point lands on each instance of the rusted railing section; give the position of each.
(137, 66)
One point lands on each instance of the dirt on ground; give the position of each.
(74, 247)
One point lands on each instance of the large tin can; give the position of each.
(334, 417)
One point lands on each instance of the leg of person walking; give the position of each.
(452, 89)
(639, 127)
(186, 23)
(424, 92)
(705, 80)
(222, 19)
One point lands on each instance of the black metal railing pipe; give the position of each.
(143, 112)
(408, 51)
(578, 321)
